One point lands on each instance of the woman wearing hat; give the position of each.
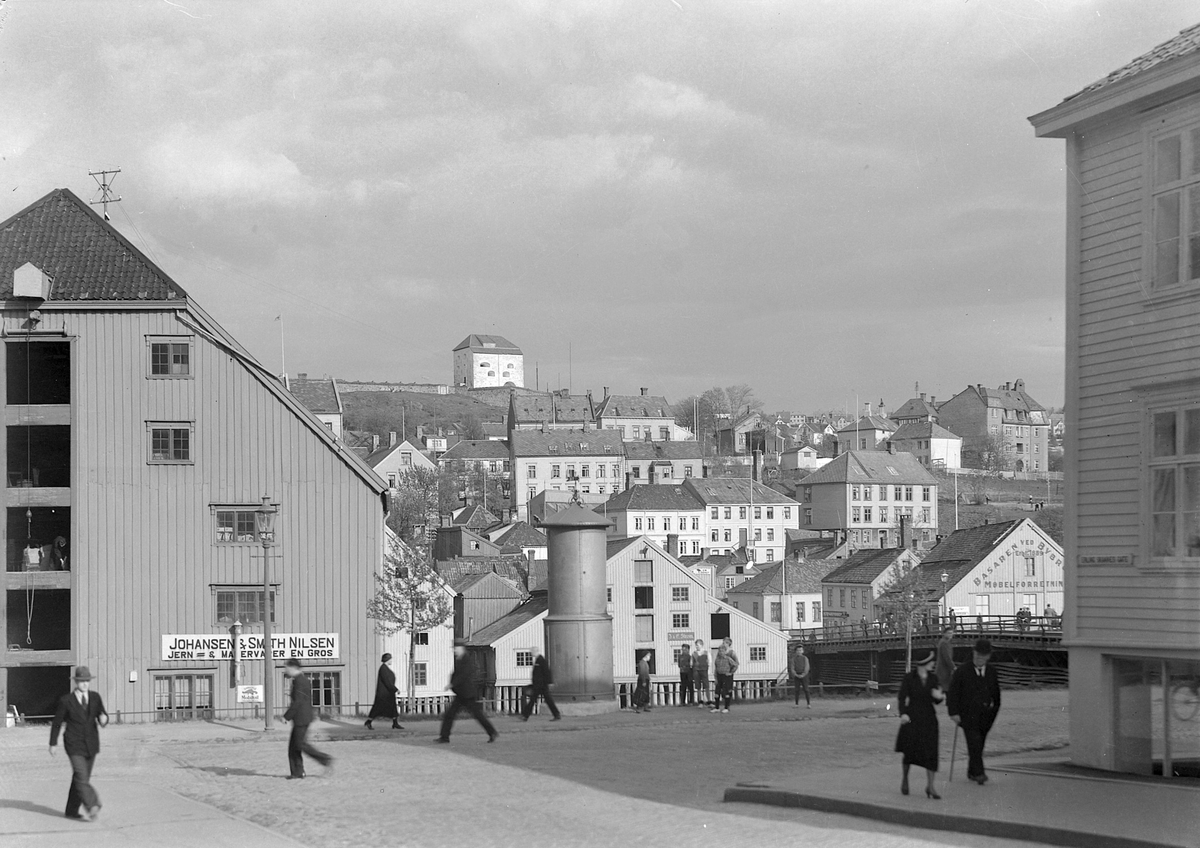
(918, 736)
(385, 696)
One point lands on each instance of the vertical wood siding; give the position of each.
(142, 542)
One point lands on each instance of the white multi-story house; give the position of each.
(1004, 413)
(641, 417)
(784, 594)
(671, 516)
(933, 445)
(662, 462)
(742, 513)
(485, 361)
(587, 460)
(864, 495)
(1132, 462)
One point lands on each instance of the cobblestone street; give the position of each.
(609, 780)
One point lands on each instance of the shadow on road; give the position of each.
(225, 771)
(29, 807)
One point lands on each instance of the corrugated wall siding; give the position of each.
(143, 539)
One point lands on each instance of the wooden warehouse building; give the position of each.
(139, 440)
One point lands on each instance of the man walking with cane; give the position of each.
(973, 702)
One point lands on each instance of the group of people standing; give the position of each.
(694, 685)
(972, 695)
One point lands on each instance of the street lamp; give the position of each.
(264, 522)
(945, 578)
(235, 637)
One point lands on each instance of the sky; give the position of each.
(829, 201)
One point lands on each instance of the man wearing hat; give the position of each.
(80, 714)
(973, 702)
(462, 683)
(300, 714)
(385, 696)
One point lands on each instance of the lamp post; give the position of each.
(235, 670)
(945, 578)
(264, 522)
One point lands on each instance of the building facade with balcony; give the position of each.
(140, 439)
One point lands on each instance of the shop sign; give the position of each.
(681, 635)
(284, 646)
(1111, 559)
(250, 694)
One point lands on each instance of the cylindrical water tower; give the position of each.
(579, 631)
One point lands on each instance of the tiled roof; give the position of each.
(474, 517)
(615, 546)
(485, 343)
(567, 443)
(634, 406)
(497, 586)
(553, 408)
(734, 490)
(802, 578)
(1184, 44)
(871, 467)
(654, 496)
(1008, 399)
(375, 457)
(491, 429)
(84, 255)
(475, 449)
(537, 604)
(915, 408)
(962, 550)
(318, 395)
(870, 422)
(864, 566)
(512, 569)
(662, 450)
(521, 534)
(922, 430)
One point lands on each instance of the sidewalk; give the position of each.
(133, 814)
(1029, 798)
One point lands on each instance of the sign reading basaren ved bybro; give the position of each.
(284, 646)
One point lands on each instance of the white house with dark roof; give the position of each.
(863, 495)
(933, 445)
(852, 589)
(672, 516)
(395, 460)
(640, 417)
(870, 432)
(588, 460)
(786, 595)
(1132, 462)
(550, 410)
(321, 397)
(743, 513)
(482, 361)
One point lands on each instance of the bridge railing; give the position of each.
(981, 625)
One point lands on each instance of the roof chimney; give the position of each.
(303, 375)
(922, 396)
(391, 438)
(374, 442)
(645, 391)
(606, 391)
(932, 400)
(545, 428)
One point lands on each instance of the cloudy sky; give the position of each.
(825, 200)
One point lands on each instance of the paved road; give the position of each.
(612, 780)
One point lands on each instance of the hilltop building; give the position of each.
(482, 362)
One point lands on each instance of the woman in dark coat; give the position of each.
(918, 737)
(385, 696)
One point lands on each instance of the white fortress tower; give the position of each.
(486, 361)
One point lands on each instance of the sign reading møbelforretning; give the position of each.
(284, 646)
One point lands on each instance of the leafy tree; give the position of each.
(902, 598)
(408, 598)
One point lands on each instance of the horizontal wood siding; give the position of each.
(143, 541)
(1123, 341)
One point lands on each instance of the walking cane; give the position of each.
(953, 751)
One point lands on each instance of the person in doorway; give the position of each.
(466, 694)
(300, 714)
(539, 686)
(687, 691)
(725, 664)
(79, 716)
(973, 702)
(918, 736)
(945, 657)
(700, 685)
(641, 690)
(385, 696)
(798, 668)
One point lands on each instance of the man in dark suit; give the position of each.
(539, 685)
(300, 714)
(973, 701)
(80, 714)
(462, 683)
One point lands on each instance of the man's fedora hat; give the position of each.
(82, 673)
(926, 660)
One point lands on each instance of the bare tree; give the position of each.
(409, 598)
(902, 597)
(420, 496)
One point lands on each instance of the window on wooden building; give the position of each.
(235, 524)
(170, 442)
(681, 620)
(420, 674)
(524, 659)
(643, 628)
(1175, 209)
(421, 638)
(679, 593)
(241, 603)
(182, 696)
(643, 597)
(170, 357)
(326, 688)
(1174, 480)
(758, 653)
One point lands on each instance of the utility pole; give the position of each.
(105, 191)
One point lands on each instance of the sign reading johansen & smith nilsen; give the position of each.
(284, 646)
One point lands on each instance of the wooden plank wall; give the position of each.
(143, 550)
(1123, 341)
